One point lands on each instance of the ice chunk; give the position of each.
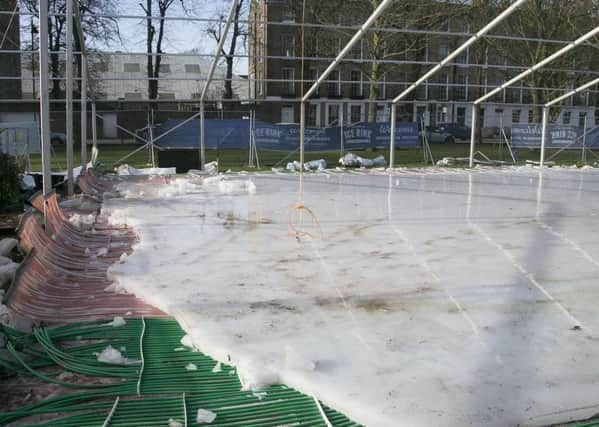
(6, 246)
(116, 322)
(205, 416)
(191, 367)
(174, 423)
(65, 376)
(187, 341)
(112, 355)
(217, 368)
(102, 252)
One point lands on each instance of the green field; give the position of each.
(238, 159)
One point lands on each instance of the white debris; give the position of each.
(117, 321)
(102, 252)
(217, 368)
(112, 355)
(187, 341)
(6, 246)
(294, 166)
(27, 182)
(259, 394)
(174, 423)
(353, 160)
(7, 273)
(315, 165)
(77, 219)
(123, 257)
(205, 416)
(126, 170)
(191, 367)
(65, 376)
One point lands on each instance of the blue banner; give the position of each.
(236, 133)
(558, 136)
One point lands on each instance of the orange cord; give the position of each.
(297, 233)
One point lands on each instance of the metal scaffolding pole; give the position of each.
(501, 17)
(369, 23)
(531, 70)
(83, 111)
(94, 128)
(44, 98)
(219, 49)
(544, 135)
(473, 133)
(546, 116)
(69, 96)
(392, 133)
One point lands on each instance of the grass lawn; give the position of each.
(238, 159)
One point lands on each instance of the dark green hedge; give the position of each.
(10, 193)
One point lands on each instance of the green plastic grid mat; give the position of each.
(162, 382)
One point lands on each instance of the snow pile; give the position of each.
(112, 355)
(126, 170)
(205, 416)
(102, 252)
(174, 423)
(191, 367)
(117, 322)
(353, 160)
(7, 271)
(6, 246)
(317, 165)
(217, 368)
(448, 295)
(77, 219)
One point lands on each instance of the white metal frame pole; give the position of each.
(584, 139)
(392, 138)
(94, 127)
(83, 111)
(44, 98)
(501, 17)
(369, 22)
(219, 49)
(544, 135)
(473, 132)
(562, 98)
(534, 68)
(69, 96)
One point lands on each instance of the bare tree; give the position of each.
(237, 32)
(155, 39)
(94, 28)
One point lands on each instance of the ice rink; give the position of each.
(425, 297)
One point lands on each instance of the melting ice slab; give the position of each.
(447, 298)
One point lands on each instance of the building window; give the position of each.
(312, 115)
(441, 86)
(288, 14)
(567, 117)
(289, 81)
(356, 51)
(165, 68)
(134, 96)
(288, 46)
(166, 95)
(515, 116)
(355, 114)
(310, 78)
(460, 88)
(132, 68)
(335, 84)
(192, 68)
(531, 118)
(356, 83)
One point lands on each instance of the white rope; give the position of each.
(141, 351)
(184, 410)
(322, 414)
(111, 413)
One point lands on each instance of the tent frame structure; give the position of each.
(74, 28)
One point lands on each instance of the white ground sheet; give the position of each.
(432, 298)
